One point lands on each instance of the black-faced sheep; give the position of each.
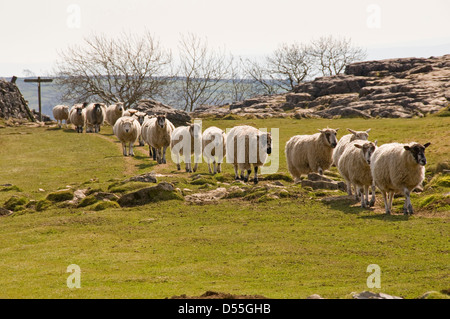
(158, 132)
(398, 168)
(77, 116)
(95, 116)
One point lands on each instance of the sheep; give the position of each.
(60, 113)
(140, 116)
(158, 136)
(354, 166)
(214, 147)
(77, 116)
(398, 168)
(343, 142)
(310, 153)
(144, 129)
(114, 112)
(129, 112)
(187, 140)
(95, 116)
(127, 131)
(246, 146)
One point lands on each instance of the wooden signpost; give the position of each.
(39, 81)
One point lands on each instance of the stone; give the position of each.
(372, 295)
(5, 212)
(162, 191)
(146, 178)
(210, 196)
(151, 107)
(315, 296)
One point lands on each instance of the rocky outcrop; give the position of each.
(392, 88)
(151, 107)
(12, 103)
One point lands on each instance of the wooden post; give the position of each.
(39, 80)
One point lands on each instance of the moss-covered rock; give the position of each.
(87, 201)
(277, 177)
(162, 192)
(203, 181)
(43, 204)
(16, 203)
(126, 187)
(10, 188)
(61, 195)
(105, 205)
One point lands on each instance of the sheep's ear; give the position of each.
(376, 141)
(351, 131)
(367, 131)
(358, 146)
(427, 144)
(320, 130)
(337, 129)
(406, 147)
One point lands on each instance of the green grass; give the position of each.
(289, 247)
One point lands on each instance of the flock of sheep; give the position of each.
(393, 167)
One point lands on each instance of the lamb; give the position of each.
(354, 166)
(187, 140)
(127, 131)
(95, 116)
(158, 136)
(214, 147)
(140, 116)
(341, 145)
(77, 116)
(310, 153)
(60, 113)
(114, 112)
(246, 146)
(398, 168)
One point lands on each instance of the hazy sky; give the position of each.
(34, 31)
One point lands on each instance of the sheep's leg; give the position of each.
(208, 162)
(131, 149)
(164, 155)
(215, 168)
(407, 208)
(178, 162)
(150, 151)
(242, 176)
(219, 167)
(386, 203)
(349, 189)
(391, 198)
(357, 190)
(124, 148)
(320, 170)
(196, 161)
(255, 178)
(366, 197)
(158, 155)
(236, 172)
(154, 153)
(363, 200)
(372, 201)
(249, 171)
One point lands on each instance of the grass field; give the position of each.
(288, 247)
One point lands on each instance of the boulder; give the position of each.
(162, 191)
(151, 107)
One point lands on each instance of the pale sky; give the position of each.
(34, 31)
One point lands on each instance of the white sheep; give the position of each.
(77, 116)
(60, 113)
(114, 112)
(144, 129)
(354, 166)
(340, 147)
(158, 132)
(398, 168)
(310, 153)
(247, 146)
(95, 116)
(185, 141)
(127, 131)
(140, 117)
(214, 147)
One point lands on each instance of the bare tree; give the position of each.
(202, 73)
(127, 68)
(258, 72)
(333, 54)
(240, 86)
(289, 64)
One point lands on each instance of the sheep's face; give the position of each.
(79, 111)
(120, 107)
(266, 142)
(418, 152)
(126, 125)
(330, 136)
(359, 135)
(97, 108)
(367, 150)
(195, 130)
(161, 121)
